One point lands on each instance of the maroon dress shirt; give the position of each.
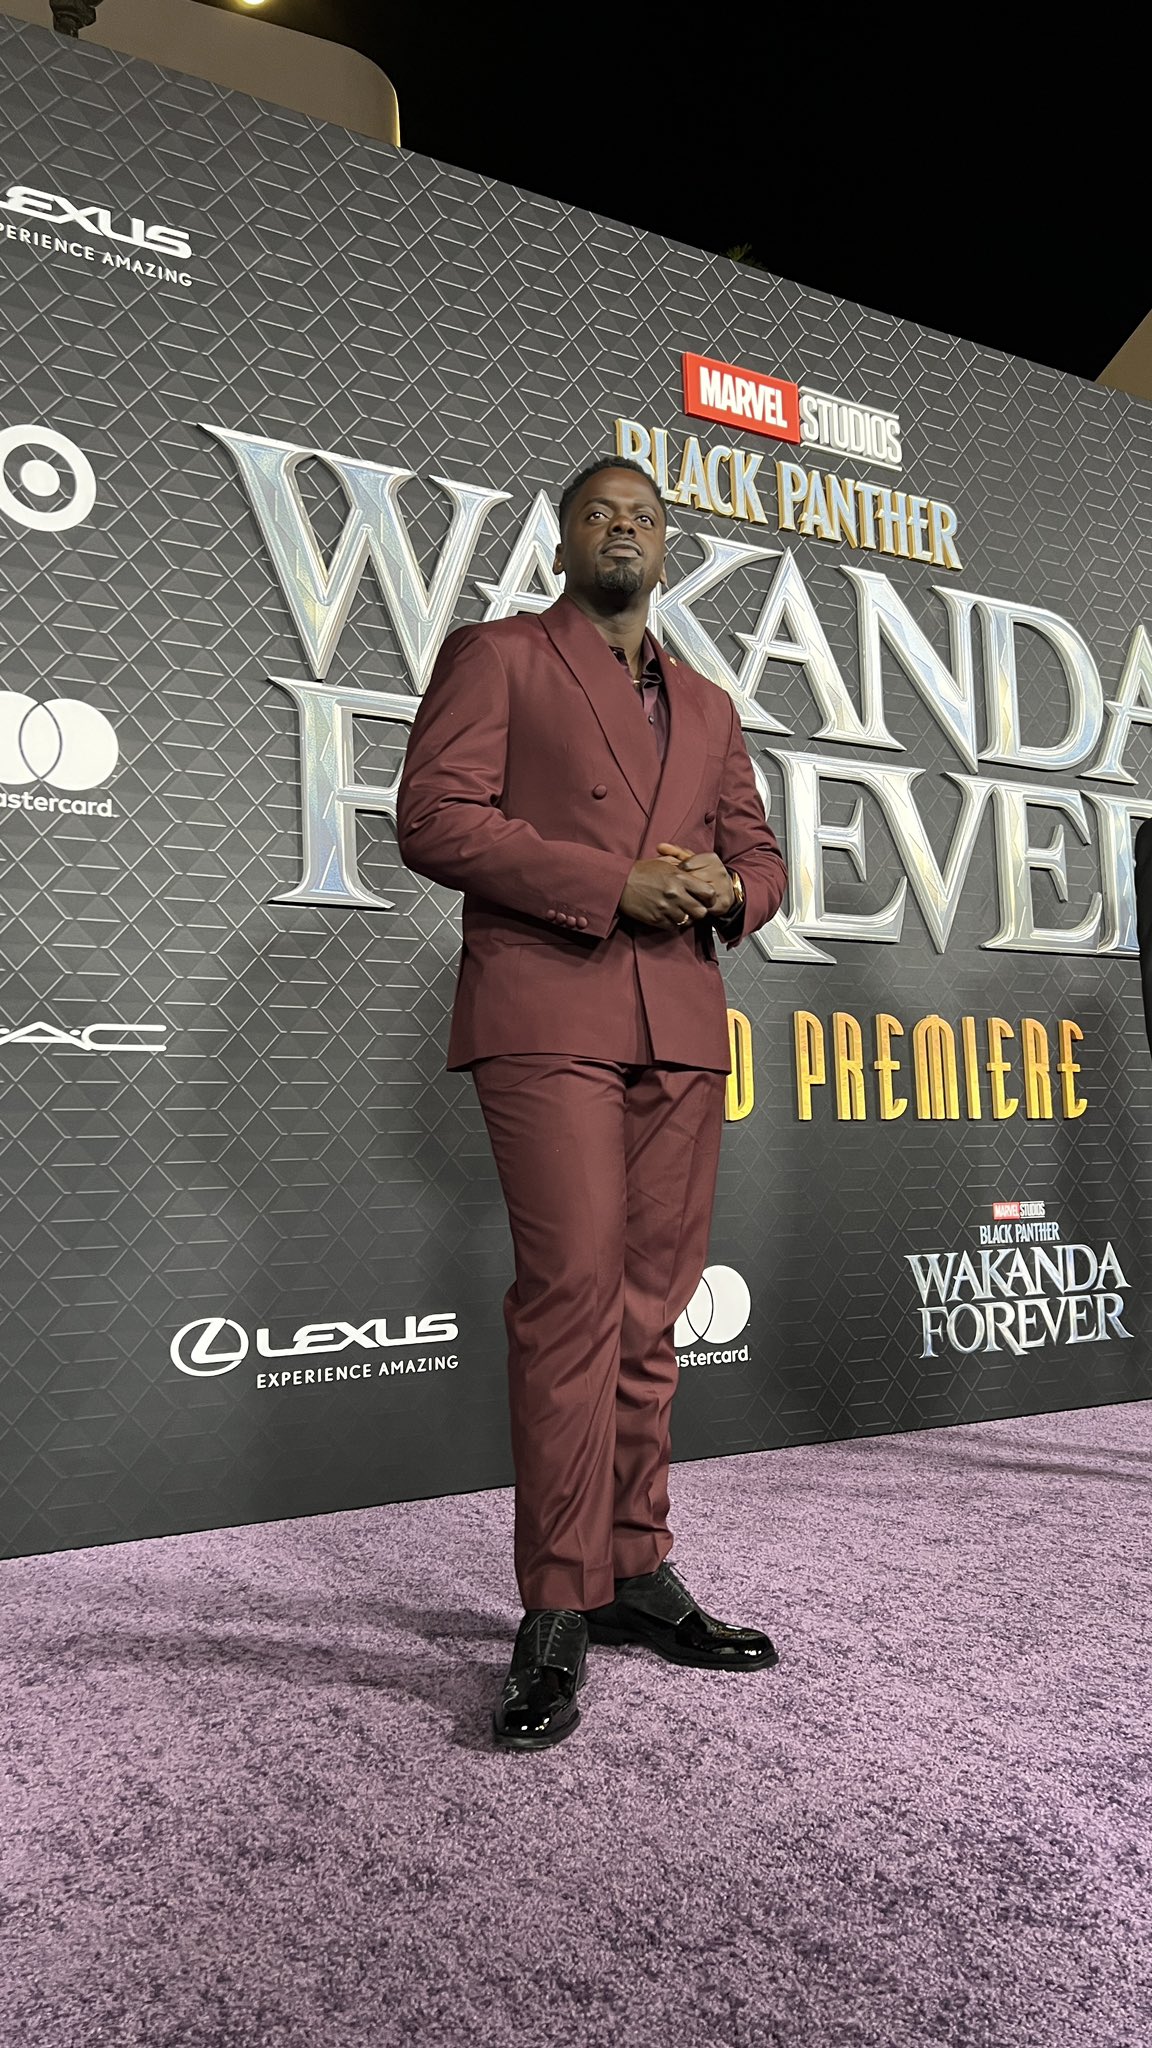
(651, 693)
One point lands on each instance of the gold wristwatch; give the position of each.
(737, 903)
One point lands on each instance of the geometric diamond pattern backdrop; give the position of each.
(295, 1155)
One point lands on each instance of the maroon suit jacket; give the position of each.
(533, 783)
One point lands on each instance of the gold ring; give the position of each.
(686, 919)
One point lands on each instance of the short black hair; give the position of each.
(594, 469)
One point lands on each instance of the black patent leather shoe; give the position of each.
(658, 1611)
(538, 1705)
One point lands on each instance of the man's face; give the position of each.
(612, 546)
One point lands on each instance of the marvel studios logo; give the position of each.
(1018, 1212)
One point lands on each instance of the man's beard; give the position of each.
(622, 580)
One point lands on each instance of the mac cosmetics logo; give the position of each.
(102, 1038)
(96, 219)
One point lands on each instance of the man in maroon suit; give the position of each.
(594, 800)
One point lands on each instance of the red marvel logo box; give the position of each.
(741, 398)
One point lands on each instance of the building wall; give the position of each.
(1131, 367)
(249, 55)
(281, 406)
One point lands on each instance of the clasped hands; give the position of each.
(677, 888)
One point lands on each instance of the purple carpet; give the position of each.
(249, 1799)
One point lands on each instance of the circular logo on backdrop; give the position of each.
(31, 489)
(68, 743)
(214, 1344)
(717, 1311)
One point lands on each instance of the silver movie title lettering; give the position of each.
(787, 631)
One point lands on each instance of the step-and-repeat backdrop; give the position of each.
(279, 407)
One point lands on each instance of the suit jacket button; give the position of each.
(601, 789)
(550, 913)
(582, 922)
(709, 817)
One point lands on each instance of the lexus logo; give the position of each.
(40, 478)
(94, 219)
(213, 1345)
(68, 744)
(718, 1310)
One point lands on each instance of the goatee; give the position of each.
(620, 579)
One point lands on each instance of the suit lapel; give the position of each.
(609, 691)
(684, 760)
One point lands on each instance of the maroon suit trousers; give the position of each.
(609, 1174)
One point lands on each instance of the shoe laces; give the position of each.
(668, 1577)
(658, 1593)
(553, 1636)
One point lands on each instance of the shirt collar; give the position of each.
(651, 672)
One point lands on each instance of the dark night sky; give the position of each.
(930, 168)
